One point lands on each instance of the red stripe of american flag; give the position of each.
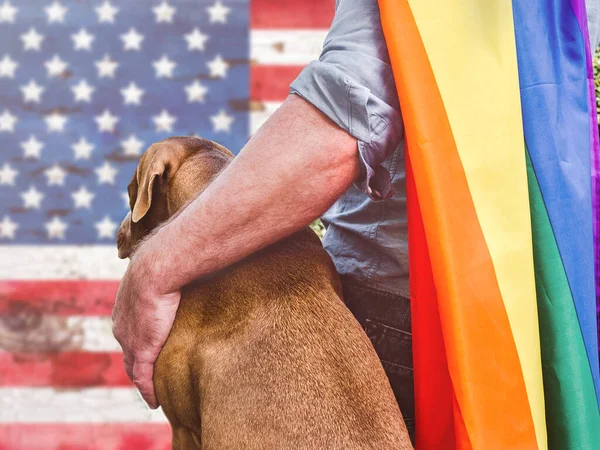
(58, 297)
(286, 14)
(271, 83)
(63, 370)
(111, 436)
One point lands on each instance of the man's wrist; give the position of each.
(144, 267)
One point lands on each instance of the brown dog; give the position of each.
(263, 355)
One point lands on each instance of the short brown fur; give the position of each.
(263, 355)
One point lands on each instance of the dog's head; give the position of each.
(170, 174)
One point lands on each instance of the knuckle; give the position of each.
(117, 333)
(138, 376)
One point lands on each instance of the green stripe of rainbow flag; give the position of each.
(499, 232)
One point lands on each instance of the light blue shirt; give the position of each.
(352, 84)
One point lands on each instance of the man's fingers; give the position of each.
(128, 363)
(142, 378)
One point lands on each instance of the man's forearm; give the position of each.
(287, 175)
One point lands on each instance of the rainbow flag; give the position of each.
(500, 121)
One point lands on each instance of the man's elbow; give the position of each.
(337, 149)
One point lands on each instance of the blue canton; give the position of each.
(86, 87)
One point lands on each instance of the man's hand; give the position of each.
(142, 319)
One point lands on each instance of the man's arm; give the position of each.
(287, 175)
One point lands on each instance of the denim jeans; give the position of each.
(386, 320)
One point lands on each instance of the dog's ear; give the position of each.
(124, 237)
(164, 159)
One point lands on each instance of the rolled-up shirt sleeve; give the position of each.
(352, 84)
(593, 17)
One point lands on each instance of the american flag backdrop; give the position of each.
(85, 87)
